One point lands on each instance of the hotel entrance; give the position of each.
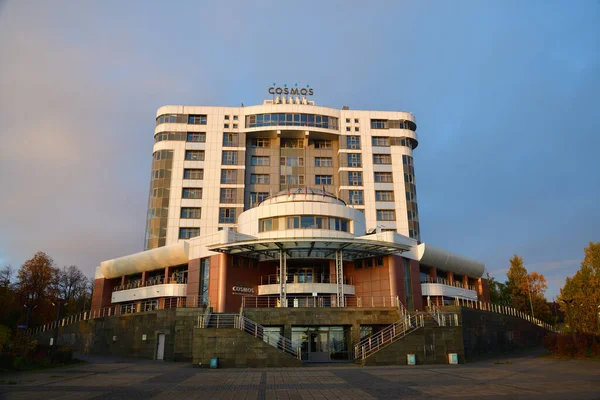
(322, 343)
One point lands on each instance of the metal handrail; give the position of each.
(506, 310)
(273, 279)
(387, 336)
(320, 301)
(444, 281)
(251, 327)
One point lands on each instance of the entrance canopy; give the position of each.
(269, 249)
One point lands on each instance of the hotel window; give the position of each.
(347, 120)
(230, 140)
(354, 160)
(260, 160)
(159, 137)
(323, 162)
(235, 117)
(356, 120)
(383, 177)
(166, 119)
(291, 161)
(161, 174)
(356, 129)
(261, 142)
(291, 179)
(355, 178)
(187, 233)
(378, 124)
(191, 193)
(323, 144)
(194, 155)
(197, 119)
(149, 305)
(356, 197)
(225, 126)
(226, 215)
(227, 117)
(265, 225)
(409, 178)
(382, 159)
(408, 160)
(260, 178)
(162, 155)
(229, 158)
(228, 175)
(323, 180)
(380, 141)
(191, 212)
(386, 215)
(292, 143)
(384, 195)
(235, 126)
(129, 308)
(190, 173)
(379, 261)
(257, 197)
(353, 142)
(196, 137)
(293, 222)
(347, 129)
(228, 195)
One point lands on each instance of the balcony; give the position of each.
(151, 288)
(445, 288)
(300, 283)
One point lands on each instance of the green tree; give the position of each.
(582, 291)
(527, 290)
(499, 293)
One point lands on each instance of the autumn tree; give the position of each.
(582, 291)
(37, 282)
(527, 290)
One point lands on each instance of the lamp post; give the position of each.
(569, 302)
(529, 290)
(30, 304)
(59, 303)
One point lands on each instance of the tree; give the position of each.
(499, 293)
(38, 277)
(527, 290)
(6, 274)
(583, 289)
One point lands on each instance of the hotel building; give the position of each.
(284, 204)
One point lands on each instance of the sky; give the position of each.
(505, 94)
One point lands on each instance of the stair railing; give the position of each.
(387, 336)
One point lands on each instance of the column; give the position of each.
(433, 274)
(282, 278)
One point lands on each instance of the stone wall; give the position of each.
(430, 345)
(489, 333)
(235, 348)
(324, 316)
(123, 335)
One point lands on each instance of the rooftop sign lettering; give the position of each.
(307, 91)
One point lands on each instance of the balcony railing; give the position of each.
(320, 301)
(159, 280)
(273, 279)
(444, 281)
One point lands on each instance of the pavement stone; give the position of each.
(526, 376)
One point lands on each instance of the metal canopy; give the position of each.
(269, 249)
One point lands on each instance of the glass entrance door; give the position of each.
(318, 347)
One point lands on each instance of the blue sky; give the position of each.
(505, 94)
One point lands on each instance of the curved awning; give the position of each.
(447, 261)
(161, 257)
(268, 249)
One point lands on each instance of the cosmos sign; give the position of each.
(307, 91)
(242, 289)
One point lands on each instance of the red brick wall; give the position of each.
(483, 292)
(103, 289)
(416, 284)
(374, 281)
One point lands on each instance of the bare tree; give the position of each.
(70, 281)
(6, 274)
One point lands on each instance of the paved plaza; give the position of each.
(523, 376)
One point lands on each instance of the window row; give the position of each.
(161, 174)
(289, 119)
(369, 262)
(193, 173)
(188, 233)
(386, 215)
(392, 124)
(357, 196)
(162, 155)
(304, 222)
(385, 141)
(197, 137)
(228, 195)
(191, 213)
(323, 162)
(258, 197)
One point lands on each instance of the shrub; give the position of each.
(584, 345)
(62, 355)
